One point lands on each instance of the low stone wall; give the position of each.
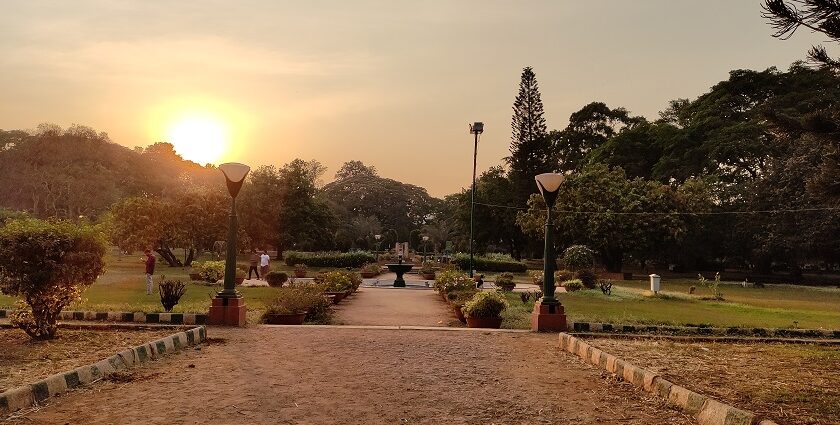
(700, 330)
(134, 317)
(30, 395)
(706, 410)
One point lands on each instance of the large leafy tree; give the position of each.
(588, 129)
(304, 220)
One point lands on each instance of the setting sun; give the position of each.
(199, 139)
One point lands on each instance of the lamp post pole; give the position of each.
(425, 241)
(549, 314)
(228, 307)
(476, 128)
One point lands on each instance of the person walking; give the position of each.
(149, 260)
(264, 260)
(255, 260)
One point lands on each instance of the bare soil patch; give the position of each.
(25, 361)
(791, 384)
(307, 375)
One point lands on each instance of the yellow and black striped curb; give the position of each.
(703, 330)
(136, 317)
(33, 394)
(706, 410)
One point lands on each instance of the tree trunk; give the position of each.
(190, 256)
(168, 256)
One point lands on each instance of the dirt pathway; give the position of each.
(394, 307)
(354, 376)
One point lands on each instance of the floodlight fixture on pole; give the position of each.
(549, 185)
(476, 128)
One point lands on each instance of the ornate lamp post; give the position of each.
(425, 241)
(378, 241)
(228, 307)
(549, 314)
(475, 128)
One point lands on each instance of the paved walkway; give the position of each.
(300, 375)
(394, 307)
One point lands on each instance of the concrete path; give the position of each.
(301, 375)
(394, 307)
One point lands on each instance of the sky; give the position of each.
(391, 83)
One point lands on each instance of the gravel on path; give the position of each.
(264, 375)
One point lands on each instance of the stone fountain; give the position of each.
(400, 269)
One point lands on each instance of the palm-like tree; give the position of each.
(439, 232)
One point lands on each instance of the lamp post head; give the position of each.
(234, 176)
(477, 128)
(425, 238)
(377, 237)
(549, 184)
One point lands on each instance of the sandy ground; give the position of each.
(789, 383)
(300, 375)
(394, 307)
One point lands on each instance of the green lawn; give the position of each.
(777, 306)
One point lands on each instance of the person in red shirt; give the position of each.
(149, 260)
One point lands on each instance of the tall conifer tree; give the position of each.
(531, 152)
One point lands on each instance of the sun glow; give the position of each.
(200, 139)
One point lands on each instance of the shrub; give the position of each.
(588, 277)
(563, 275)
(572, 285)
(47, 264)
(504, 280)
(578, 257)
(372, 268)
(428, 267)
(461, 296)
(211, 271)
(453, 280)
(485, 304)
(536, 277)
(276, 278)
(355, 278)
(713, 285)
(240, 274)
(335, 281)
(353, 259)
(559, 276)
(489, 264)
(170, 292)
(295, 299)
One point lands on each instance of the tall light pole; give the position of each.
(228, 307)
(378, 238)
(425, 241)
(476, 128)
(548, 313)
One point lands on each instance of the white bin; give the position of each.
(655, 283)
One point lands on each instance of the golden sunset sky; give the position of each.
(391, 83)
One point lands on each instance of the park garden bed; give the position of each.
(25, 361)
(791, 384)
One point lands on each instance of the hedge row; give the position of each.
(329, 259)
(488, 264)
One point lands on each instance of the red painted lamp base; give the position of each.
(227, 312)
(548, 317)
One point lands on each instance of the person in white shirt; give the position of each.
(264, 259)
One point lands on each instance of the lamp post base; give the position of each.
(227, 311)
(548, 317)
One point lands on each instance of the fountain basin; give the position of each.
(400, 269)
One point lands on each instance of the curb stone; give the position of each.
(584, 327)
(32, 394)
(120, 316)
(705, 410)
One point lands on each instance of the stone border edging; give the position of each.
(711, 338)
(137, 317)
(703, 330)
(706, 410)
(32, 394)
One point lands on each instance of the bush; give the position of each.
(428, 267)
(276, 278)
(47, 264)
(372, 268)
(355, 278)
(461, 296)
(504, 280)
(453, 280)
(536, 277)
(335, 281)
(559, 276)
(170, 292)
(578, 257)
(211, 271)
(329, 259)
(588, 277)
(489, 264)
(485, 304)
(572, 285)
(295, 299)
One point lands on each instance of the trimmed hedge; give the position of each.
(329, 259)
(486, 264)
